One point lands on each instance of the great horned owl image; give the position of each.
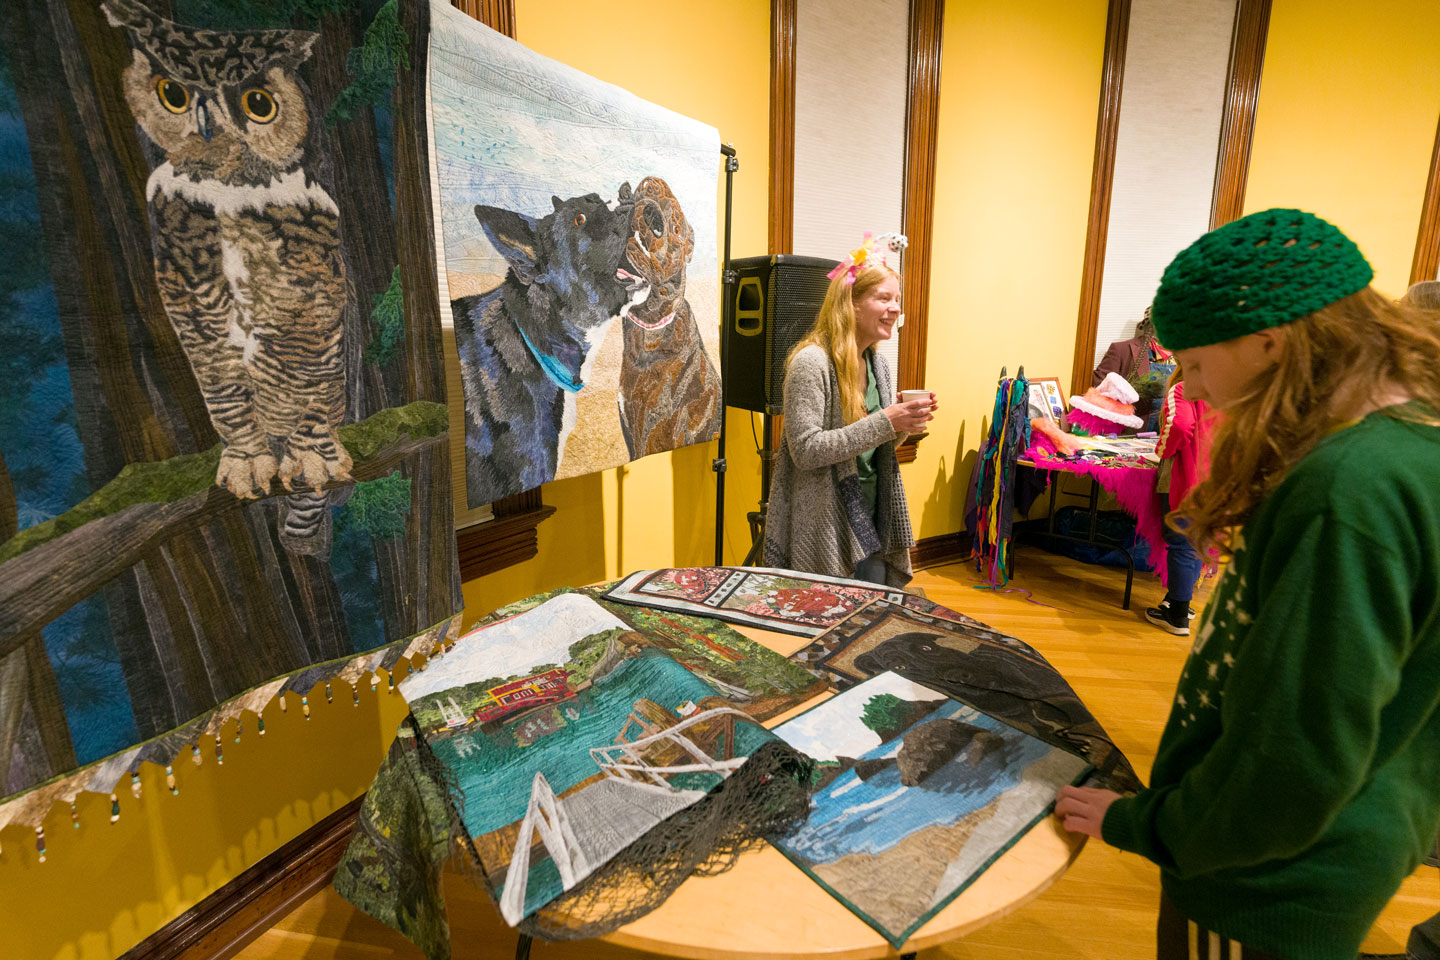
(247, 254)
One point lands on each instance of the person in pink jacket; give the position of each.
(1185, 429)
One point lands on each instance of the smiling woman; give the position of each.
(837, 506)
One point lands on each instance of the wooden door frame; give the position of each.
(922, 107)
(1232, 167)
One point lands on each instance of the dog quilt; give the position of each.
(577, 262)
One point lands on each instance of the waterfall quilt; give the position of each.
(916, 794)
(223, 462)
(578, 262)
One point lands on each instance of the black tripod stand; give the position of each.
(757, 518)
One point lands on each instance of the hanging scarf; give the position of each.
(1009, 435)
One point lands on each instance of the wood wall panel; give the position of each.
(1427, 242)
(922, 123)
(1102, 176)
(1237, 119)
(782, 126)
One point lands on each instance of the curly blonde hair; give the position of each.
(1324, 358)
(834, 332)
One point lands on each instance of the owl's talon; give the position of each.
(314, 469)
(245, 475)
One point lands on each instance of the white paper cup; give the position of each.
(908, 395)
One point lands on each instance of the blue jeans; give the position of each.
(872, 568)
(1182, 566)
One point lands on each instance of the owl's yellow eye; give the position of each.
(173, 96)
(258, 105)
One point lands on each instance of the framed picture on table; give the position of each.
(1046, 398)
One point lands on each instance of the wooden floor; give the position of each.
(1102, 909)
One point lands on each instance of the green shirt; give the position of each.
(865, 462)
(1297, 782)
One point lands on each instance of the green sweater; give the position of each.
(1297, 782)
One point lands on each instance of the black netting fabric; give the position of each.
(412, 823)
(769, 794)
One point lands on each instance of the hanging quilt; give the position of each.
(786, 601)
(578, 260)
(580, 763)
(223, 465)
(1004, 677)
(916, 794)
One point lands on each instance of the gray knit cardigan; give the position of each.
(816, 519)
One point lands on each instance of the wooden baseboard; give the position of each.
(934, 551)
(222, 924)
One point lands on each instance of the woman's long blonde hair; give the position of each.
(834, 332)
(1326, 361)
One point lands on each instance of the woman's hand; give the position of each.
(1082, 809)
(911, 417)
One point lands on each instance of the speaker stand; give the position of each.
(727, 309)
(757, 518)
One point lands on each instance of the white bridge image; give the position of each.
(591, 826)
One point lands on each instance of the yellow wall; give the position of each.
(660, 510)
(1020, 86)
(1346, 121)
(105, 887)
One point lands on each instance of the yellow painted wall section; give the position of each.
(1345, 122)
(1019, 91)
(710, 61)
(106, 887)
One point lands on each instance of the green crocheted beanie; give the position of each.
(1260, 271)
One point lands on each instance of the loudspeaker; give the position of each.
(777, 299)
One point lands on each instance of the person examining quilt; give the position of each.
(837, 506)
(1294, 787)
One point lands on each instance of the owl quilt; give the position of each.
(223, 461)
(577, 262)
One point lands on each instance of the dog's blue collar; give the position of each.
(554, 369)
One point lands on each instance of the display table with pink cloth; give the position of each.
(1125, 468)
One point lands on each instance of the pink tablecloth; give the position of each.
(1131, 481)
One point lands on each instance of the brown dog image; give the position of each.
(669, 390)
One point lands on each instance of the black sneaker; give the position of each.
(1168, 618)
(1165, 605)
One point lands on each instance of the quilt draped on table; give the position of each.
(585, 772)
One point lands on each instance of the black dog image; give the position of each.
(1025, 693)
(525, 345)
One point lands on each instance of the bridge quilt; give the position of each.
(557, 746)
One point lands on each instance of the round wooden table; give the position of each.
(766, 907)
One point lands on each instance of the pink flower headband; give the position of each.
(872, 250)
